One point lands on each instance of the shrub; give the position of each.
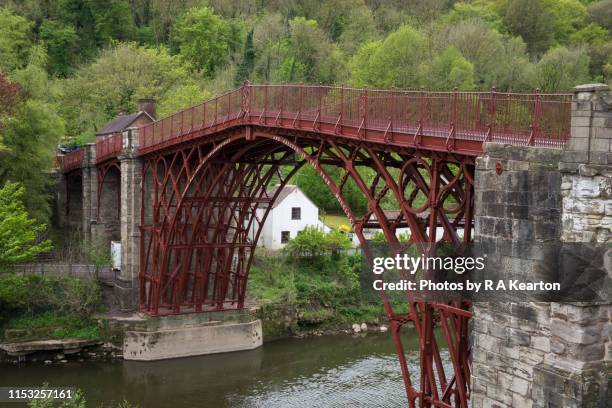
(26, 295)
(313, 242)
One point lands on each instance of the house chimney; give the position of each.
(148, 105)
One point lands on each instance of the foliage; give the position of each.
(314, 242)
(560, 67)
(113, 84)
(61, 295)
(246, 66)
(601, 13)
(533, 21)
(451, 70)
(204, 39)
(19, 234)
(15, 40)
(62, 45)
(31, 135)
(394, 62)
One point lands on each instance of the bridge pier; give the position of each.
(536, 354)
(89, 175)
(126, 285)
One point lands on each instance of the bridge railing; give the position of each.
(72, 160)
(108, 147)
(517, 118)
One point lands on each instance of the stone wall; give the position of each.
(545, 354)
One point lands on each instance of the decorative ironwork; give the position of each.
(208, 170)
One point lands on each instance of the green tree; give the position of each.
(204, 39)
(533, 21)
(394, 62)
(15, 40)
(312, 50)
(601, 13)
(246, 66)
(19, 233)
(485, 48)
(31, 135)
(113, 84)
(62, 46)
(450, 70)
(560, 69)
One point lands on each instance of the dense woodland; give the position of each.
(68, 66)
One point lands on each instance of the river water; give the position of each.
(327, 371)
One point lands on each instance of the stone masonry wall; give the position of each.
(545, 354)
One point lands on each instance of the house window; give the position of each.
(284, 237)
(296, 213)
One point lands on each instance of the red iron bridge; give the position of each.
(207, 173)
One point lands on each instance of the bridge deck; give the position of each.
(458, 122)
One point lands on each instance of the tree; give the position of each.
(246, 66)
(394, 62)
(533, 21)
(312, 50)
(203, 39)
(562, 69)
(113, 84)
(19, 233)
(62, 46)
(15, 40)
(485, 48)
(450, 70)
(31, 136)
(601, 13)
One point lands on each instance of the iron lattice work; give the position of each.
(205, 204)
(207, 172)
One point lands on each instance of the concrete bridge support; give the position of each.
(534, 354)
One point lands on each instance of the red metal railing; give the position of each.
(72, 160)
(108, 147)
(537, 119)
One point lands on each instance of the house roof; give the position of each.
(121, 122)
(288, 189)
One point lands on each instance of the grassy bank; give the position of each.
(312, 293)
(47, 307)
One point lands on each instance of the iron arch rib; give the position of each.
(207, 203)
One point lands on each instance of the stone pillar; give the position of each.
(61, 198)
(90, 191)
(580, 362)
(126, 286)
(536, 354)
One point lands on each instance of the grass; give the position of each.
(326, 292)
(60, 326)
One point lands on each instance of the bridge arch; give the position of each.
(204, 227)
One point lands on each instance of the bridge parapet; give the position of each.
(455, 120)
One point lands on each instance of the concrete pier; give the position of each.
(194, 334)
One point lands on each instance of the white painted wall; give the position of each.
(279, 219)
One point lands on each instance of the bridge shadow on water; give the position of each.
(327, 371)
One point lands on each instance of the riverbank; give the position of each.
(293, 297)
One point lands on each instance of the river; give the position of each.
(327, 371)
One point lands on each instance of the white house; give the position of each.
(291, 213)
